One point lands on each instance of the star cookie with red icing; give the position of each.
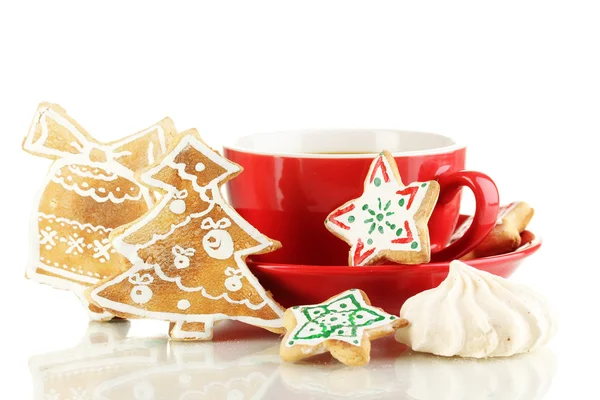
(389, 220)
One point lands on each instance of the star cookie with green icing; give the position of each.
(344, 325)
(389, 220)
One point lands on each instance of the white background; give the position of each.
(519, 82)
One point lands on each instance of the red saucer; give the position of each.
(388, 286)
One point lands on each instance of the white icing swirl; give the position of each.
(473, 313)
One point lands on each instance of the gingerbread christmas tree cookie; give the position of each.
(344, 325)
(389, 220)
(188, 252)
(88, 192)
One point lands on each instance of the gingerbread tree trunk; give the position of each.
(89, 191)
(188, 252)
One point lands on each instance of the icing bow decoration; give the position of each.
(209, 223)
(230, 271)
(182, 194)
(182, 256)
(234, 282)
(141, 280)
(55, 135)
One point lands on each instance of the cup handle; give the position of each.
(486, 212)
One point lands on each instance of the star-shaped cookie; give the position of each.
(389, 220)
(344, 325)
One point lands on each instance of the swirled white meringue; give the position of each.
(473, 313)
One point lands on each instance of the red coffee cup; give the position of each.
(293, 180)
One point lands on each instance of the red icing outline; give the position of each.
(380, 164)
(339, 212)
(359, 258)
(410, 190)
(409, 235)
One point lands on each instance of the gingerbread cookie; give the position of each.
(506, 234)
(188, 252)
(389, 220)
(88, 192)
(344, 325)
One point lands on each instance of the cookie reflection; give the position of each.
(243, 363)
(102, 355)
(403, 374)
(108, 365)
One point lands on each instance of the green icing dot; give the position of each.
(295, 307)
(401, 202)
(355, 341)
(399, 232)
(365, 206)
(351, 219)
(414, 245)
(380, 229)
(343, 305)
(423, 185)
(392, 317)
(370, 241)
(377, 182)
(359, 316)
(333, 319)
(340, 332)
(379, 217)
(291, 342)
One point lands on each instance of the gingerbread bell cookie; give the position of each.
(506, 234)
(389, 220)
(344, 325)
(187, 253)
(88, 192)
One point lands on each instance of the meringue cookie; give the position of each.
(473, 313)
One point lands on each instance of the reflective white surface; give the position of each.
(243, 363)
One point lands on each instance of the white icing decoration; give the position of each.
(208, 223)
(92, 192)
(182, 256)
(101, 249)
(141, 294)
(130, 251)
(75, 244)
(96, 174)
(178, 333)
(234, 282)
(200, 167)
(177, 206)
(137, 279)
(218, 244)
(473, 313)
(72, 222)
(183, 304)
(150, 153)
(48, 237)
